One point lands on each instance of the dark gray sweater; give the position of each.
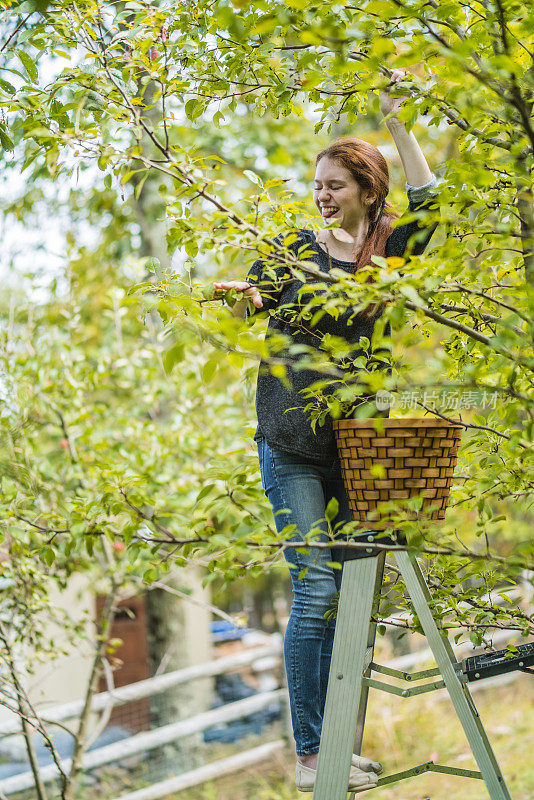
(282, 420)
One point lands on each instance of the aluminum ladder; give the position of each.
(352, 667)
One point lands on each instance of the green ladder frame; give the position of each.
(350, 681)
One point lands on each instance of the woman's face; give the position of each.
(338, 196)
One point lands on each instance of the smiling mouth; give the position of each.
(328, 211)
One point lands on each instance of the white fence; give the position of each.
(260, 657)
(152, 686)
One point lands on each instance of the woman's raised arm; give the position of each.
(417, 171)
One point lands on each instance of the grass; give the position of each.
(403, 733)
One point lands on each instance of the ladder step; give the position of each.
(428, 766)
(484, 666)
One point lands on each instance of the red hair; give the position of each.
(369, 169)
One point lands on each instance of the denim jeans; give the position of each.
(304, 489)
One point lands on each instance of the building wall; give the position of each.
(64, 679)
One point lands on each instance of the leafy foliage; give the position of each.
(208, 115)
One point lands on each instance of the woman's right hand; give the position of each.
(248, 290)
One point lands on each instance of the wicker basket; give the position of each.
(418, 456)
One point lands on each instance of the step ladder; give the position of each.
(351, 678)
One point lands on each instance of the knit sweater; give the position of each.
(282, 420)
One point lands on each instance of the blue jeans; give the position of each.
(303, 489)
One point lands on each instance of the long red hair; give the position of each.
(369, 169)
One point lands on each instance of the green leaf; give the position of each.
(5, 140)
(152, 264)
(7, 87)
(252, 177)
(28, 65)
(205, 491)
(332, 509)
(173, 357)
(209, 292)
(150, 575)
(209, 369)
(334, 564)
(191, 248)
(411, 293)
(191, 108)
(139, 187)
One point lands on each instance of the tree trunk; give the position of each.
(178, 636)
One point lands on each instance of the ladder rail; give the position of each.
(459, 693)
(371, 639)
(345, 681)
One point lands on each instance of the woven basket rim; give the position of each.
(413, 422)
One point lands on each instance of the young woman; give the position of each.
(299, 467)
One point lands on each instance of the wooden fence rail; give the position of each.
(152, 686)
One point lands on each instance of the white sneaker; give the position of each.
(359, 780)
(366, 764)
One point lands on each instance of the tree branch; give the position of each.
(23, 707)
(356, 545)
(81, 739)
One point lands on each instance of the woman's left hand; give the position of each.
(390, 104)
